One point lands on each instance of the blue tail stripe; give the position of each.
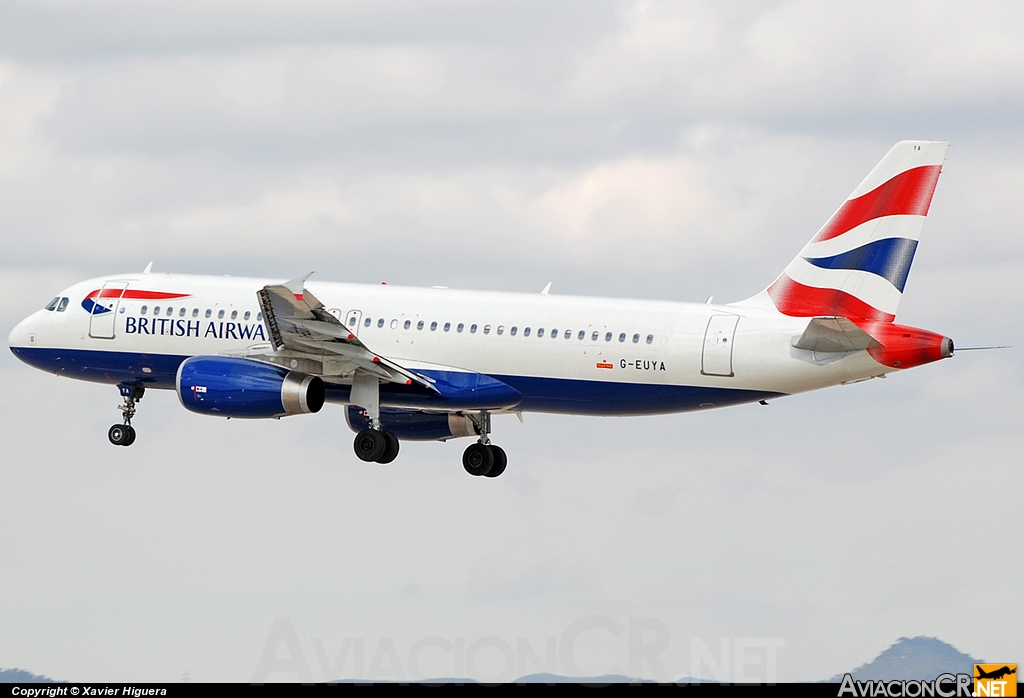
(889, 258)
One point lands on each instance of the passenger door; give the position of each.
(104, 310)
(716, 359)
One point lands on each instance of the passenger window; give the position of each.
(170, 311)
(419, 325)
(433, 326)
(622, 336)
(259, 317)
(650, 339)
(636, 339)
(209, 312)
(447, 326)
(156, 310)
(608, 337)
(526, 332)
(53, 304)
(394, 324)
(554, 334)
(487, 329)
(380, 323)
(234, 314)
(195, 312)
(568, 334)
(181, 313)
(594, 337)
(220, 314)
(63, 305)
(472, 329)
(367, 321)
(458, 328)
(246, 316)
(500, 330)
(408, 324)
(540, 332)
(513, 330)
(142, 311)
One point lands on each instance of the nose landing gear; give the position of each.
(124, 434)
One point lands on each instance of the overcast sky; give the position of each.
(662, 150)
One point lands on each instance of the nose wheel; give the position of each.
(124, 434)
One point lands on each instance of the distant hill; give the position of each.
(914, 658)
(22, 676)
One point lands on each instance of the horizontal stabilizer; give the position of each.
(829, 334)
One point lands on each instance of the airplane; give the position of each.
(436, 363)
(995, 674)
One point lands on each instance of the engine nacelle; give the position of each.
(414, 426)
(230, 387)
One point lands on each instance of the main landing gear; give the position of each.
(374, 445)
(124, 434)
(483, 457)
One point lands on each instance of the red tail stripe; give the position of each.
(796, 300)
(130, 294)
(907, 194)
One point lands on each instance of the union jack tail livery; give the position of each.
(857, 264)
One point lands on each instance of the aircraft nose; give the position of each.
(23, 334)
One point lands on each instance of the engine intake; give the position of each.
(242, 388)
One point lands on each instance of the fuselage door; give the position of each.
(352, 320)
(104, 309)
(716, 359)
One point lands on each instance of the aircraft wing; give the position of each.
(301, 329)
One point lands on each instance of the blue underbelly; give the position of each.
(539, 394)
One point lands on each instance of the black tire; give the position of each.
(118, 434)
(369, 445)
(131, 436)
(477, 459)
(391, 452)
(500, 461)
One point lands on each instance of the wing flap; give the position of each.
(298, 322)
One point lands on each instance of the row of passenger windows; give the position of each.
(169, 312)
(513, 330)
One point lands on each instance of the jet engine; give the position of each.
(232, 387)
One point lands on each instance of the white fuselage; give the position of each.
(564, 353)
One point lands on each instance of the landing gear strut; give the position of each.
(483, 457)
(372, 444)
(124, 434)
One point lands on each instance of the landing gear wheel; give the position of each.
(370, 445)
(500, 461)
(119, 434)
(478, 459)
(131, 436)
(391, 452)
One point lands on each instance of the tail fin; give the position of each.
(857, 264)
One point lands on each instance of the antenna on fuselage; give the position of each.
(149, 268)
(546, 289)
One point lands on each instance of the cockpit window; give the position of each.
(53, 304)
(63, 305)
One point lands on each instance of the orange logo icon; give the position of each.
(995, 680)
